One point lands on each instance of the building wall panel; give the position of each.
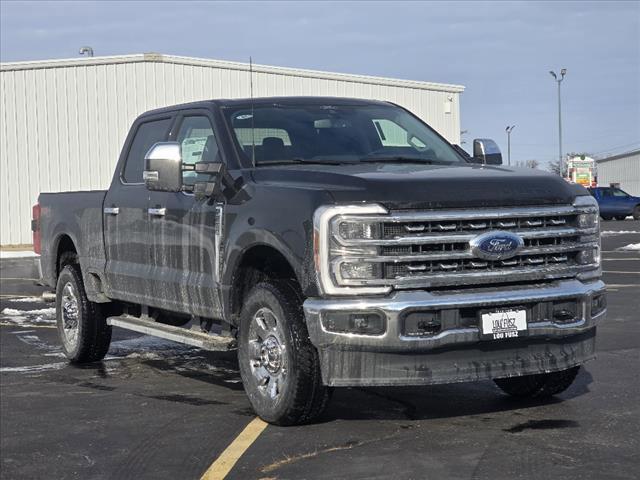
(64, 122)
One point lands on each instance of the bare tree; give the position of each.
(532, 164)
(554, 167)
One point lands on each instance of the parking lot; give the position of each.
(154, 409)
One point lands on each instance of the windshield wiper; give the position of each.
(401, 159)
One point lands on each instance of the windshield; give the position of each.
(336, 134)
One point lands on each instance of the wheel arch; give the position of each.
(255, 263)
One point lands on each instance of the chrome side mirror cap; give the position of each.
(486, 152)
(163, 167)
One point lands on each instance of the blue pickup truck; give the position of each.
(616, 203)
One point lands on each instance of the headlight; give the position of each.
(350, 230)
(337, 230)
(589, 256)
(588, 220)
(360, 270)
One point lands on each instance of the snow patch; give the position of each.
(18, 254)
(631, 246)
(618, 232)
(25, 300)
(49, 312)
(34, 368)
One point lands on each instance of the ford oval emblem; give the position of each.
(496, 245)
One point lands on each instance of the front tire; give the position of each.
(83, 329)
(606, 217)
(279, 366)
(621, 217)
(543, 385)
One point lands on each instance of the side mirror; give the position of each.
(486, 152)
(163, 167)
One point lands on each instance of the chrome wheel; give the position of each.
(70, 316)
(267, 358)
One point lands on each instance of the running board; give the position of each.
(175, 334)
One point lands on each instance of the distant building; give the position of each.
(63, 122)
(621, 171)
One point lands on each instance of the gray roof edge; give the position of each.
(619, 155)
(299, 72)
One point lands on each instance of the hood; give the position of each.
(409, 186)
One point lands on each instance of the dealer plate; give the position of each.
(500, 324)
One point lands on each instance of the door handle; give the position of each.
(111, 210)
(157, 212)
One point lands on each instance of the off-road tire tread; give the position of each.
(96, 334)
(542, 385)
(309, 397)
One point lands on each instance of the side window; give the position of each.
(198, 144)
(146, 136)
(619, 193)
(606, 192)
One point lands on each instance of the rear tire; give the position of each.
(279, 366)
(606, 217)
(82, 327)
(636, 213)
(542, 385)
(620, 217)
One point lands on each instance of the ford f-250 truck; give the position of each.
(333, 242)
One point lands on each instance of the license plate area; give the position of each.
(503, 323)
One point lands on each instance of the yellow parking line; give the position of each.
(227, 459)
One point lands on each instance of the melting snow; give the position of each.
(50, 312)
(18, 254)
(631, 246)
(618, 232)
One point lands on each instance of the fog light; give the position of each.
(420, 324)
(361, 270)
(598, 304)
(363, 323)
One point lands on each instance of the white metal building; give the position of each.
(622, 170)
(63, 122)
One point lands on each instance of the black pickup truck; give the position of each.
(333, 242)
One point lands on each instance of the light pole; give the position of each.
(563, 72)
(509, 129)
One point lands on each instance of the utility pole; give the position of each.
(558, 80)
(509, 129)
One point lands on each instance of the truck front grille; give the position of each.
(431, 248)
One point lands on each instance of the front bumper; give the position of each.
(456, 353)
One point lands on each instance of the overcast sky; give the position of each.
(500, 51)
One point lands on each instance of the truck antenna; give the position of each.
(253, 135)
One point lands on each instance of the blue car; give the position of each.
(616, 203)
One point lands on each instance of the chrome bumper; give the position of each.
(455, 354)
(396, 305)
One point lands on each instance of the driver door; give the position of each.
(185, 234)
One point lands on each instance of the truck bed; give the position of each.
(78, 216)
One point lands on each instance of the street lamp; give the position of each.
(88, 51)
(509, 129)
(563, 72)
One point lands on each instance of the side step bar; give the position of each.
(176, 334)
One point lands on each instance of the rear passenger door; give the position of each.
(126, 220)
(185, 234)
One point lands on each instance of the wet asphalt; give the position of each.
(158, 410)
